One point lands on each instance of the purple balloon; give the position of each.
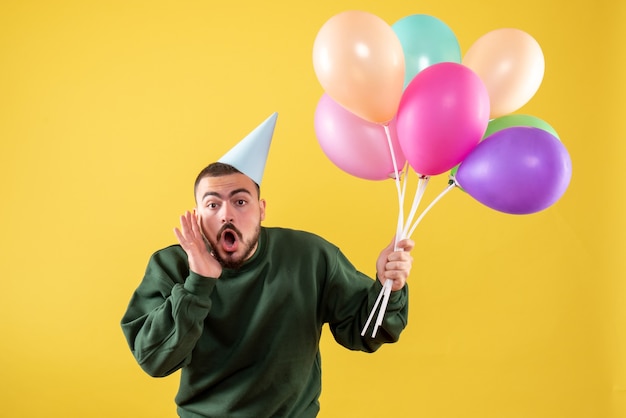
(517, 170)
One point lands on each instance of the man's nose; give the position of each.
(227, 213)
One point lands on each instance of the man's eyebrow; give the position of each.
(231, 194)
(241, 190)
(207, 194)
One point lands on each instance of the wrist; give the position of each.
(205, 270)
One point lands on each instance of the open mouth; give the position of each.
(229, 240)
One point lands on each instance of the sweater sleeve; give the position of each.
(165, 315)
(351, 296)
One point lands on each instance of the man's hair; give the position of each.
(217, 170)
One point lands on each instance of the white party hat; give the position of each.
(250, 154)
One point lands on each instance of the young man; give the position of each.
(240, 307)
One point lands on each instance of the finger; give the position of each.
(398, 266)
(195, 223)
(397, 283)
(400, 256)
(184, 226)
(179, 236)
(398, 272)
(406, 244)
(187, 227)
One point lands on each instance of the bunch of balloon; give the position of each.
(402, 96)
(404, 83)
(520, 166)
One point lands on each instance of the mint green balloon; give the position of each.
(510, 121)
(425, 41)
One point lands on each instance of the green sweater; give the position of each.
(248, 343)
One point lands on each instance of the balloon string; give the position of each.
(369, 319)
(400, 232)
(393, 155)
(385, 292)
(383, 307)
(404, 185)
(397, 176)
(442, 194)
(419, 193)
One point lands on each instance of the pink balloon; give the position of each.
(356, 146)
(442, 116)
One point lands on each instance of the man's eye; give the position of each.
(211, 205)
(241, 202)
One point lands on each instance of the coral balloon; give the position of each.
(358, 60)
(356, 146)
(425, 41)
(511, 64)
(518, 170)
(442, 116)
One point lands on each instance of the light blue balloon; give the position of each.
(425, 41)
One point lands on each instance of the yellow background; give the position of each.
(108, 109)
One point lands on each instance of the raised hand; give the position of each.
(201, 261)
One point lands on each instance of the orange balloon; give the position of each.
(358, 60)
(511, 65)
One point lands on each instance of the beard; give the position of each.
(231, 260)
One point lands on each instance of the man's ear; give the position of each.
(262, 207)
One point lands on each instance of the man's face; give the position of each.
(230, 213)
